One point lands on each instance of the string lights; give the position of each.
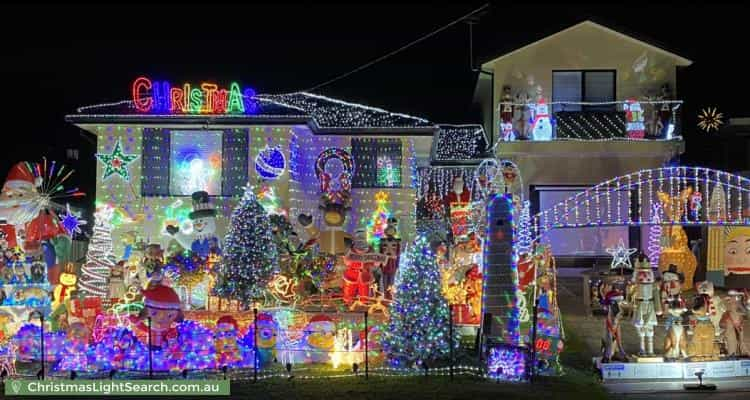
(100, 257)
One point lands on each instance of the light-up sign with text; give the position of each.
(206, 98)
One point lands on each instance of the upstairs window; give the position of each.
(583, 87)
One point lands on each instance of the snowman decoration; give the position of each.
(541, 127)
(201, 239)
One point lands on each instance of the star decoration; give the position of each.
(621, 256)
(116, 162)
(71, 222)
(709, 119)
(381, 197)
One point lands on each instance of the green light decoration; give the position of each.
(116, 162)
(250, 254)
(379, 220)
(418, 331)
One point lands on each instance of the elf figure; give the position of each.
(153, 261)
(202, 240)
(473, 285)
(390, 246)
(360, 259)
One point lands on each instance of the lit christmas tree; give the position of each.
(418, 330)
(250, 254)
(100, 257)
(379, 220)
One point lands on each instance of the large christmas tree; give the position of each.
(418, 330)
(100, 256)
(250, 254)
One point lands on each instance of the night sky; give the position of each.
(56, 58)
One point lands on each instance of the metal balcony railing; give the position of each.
(614, 120)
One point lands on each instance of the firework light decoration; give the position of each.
(71, 222)
(49, 178)
(709, 119)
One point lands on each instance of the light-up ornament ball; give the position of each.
(270, 163)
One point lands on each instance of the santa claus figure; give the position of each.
(26, 219)
(390, 246)
(458, 202)
(162, 306)
(360, 260)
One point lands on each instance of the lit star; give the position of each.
(71, 222)
(709, 119)
(621, 256)
(116, 162)
(381, 197)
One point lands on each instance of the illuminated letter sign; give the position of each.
(206, 98)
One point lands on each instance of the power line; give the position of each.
(381, 58)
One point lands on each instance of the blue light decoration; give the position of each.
(270, 163)
(507, 363)
(71, 222)
(497, 246)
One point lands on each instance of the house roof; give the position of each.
(459, 144)
(323, 114)
(681, 61)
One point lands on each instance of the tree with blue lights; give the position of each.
(250, 255)
(418, 331)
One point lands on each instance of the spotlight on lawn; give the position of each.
(700, 385)
(355, 368)
(224, 370)
(112, 373)
(184, 374)
(73, 375)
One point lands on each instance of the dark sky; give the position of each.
(56, 58)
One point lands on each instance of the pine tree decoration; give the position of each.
(418, 330)
(250, 254)
(100, 256)
(524, 229)
(378, 220)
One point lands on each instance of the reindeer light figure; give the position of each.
(677, 251)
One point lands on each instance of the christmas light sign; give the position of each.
(207, 98)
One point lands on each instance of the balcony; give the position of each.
(627, 120)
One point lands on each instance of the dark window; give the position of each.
(377, 163)
(585, 87)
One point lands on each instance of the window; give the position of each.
(377, 163)
(583, 86)
(180, 162)
(72, 153)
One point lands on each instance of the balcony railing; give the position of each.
(615, 120)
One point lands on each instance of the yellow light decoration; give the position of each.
(709, 119)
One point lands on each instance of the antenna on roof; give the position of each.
(472, 20)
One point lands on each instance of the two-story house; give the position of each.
(577, 108)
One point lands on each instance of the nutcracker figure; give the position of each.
(506, 115)
(646, 306)
(390, 246)
(612, 348)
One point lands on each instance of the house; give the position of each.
(580, 107)
(218, 140)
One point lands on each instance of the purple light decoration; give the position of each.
(71, 222)
(507, 363)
